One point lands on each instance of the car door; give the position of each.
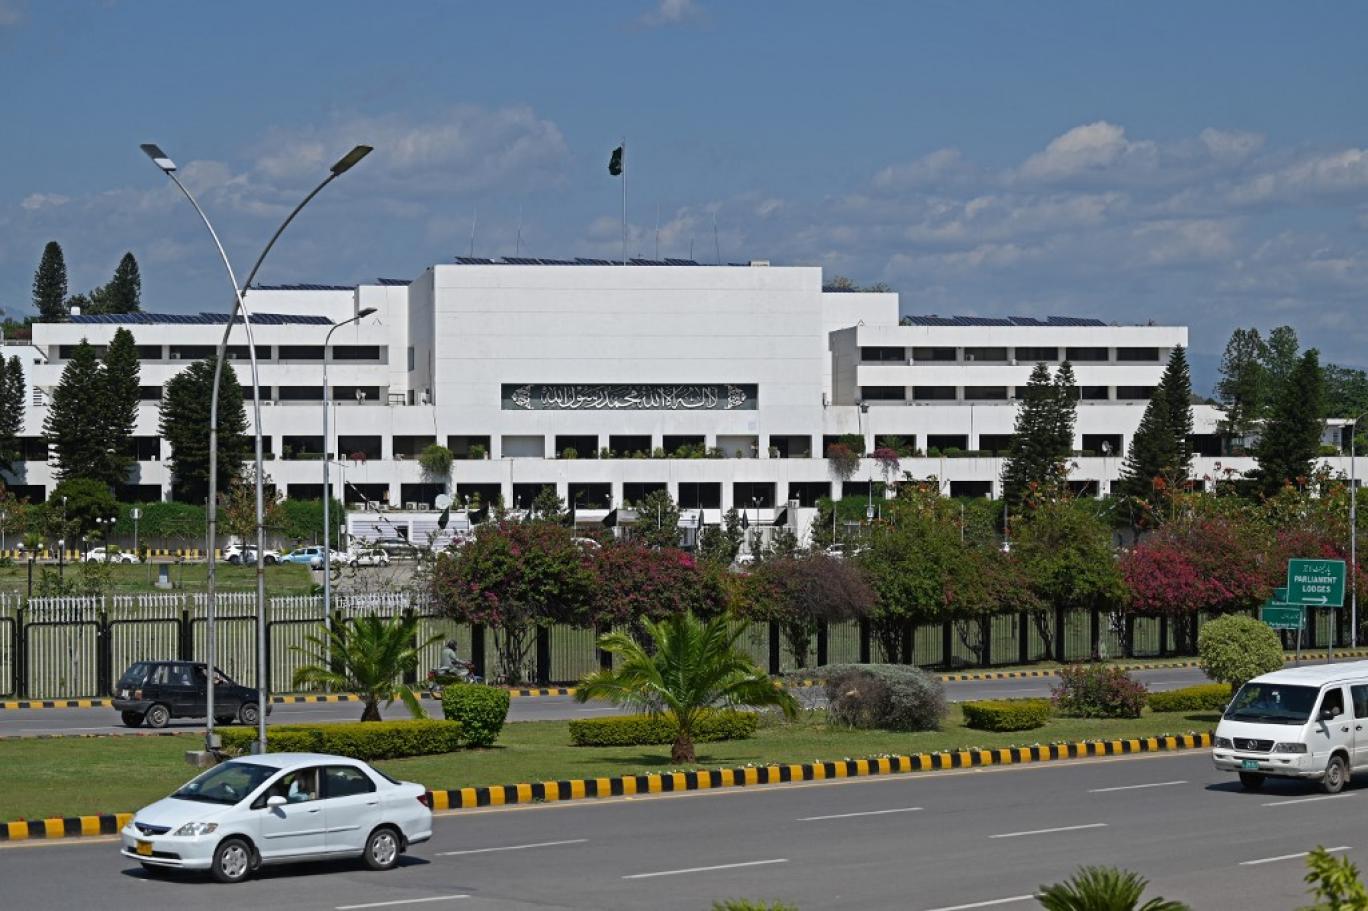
(1359, 698)
(1329, 734)
(296, 829)
(175, 689)
(351, 807)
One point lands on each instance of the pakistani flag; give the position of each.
(615, 163)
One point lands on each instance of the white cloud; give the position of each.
(671, 12)
(12, 13)
(35, 201)
(1090, 149)
(935, 168)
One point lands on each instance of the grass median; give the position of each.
(133, 579)
(78, 776)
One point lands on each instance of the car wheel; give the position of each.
(158, 716)
(249, 713)
(235, 559)
(1336, 775)
(131, 719)
(1251, 781)
(232, 861)
(268, 560)
(382, 849)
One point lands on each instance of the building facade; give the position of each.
(608, 381)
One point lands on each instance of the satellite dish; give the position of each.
(442, 501)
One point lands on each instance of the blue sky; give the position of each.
(1196, 163)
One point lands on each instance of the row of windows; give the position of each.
(242, 352)
(1022, 355)
(995, 393)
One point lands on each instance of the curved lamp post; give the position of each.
(168, 167)
(1353, 534)
(327, 484)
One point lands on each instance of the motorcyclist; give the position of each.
(450, 663)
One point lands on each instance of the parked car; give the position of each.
(396, 548)
(1296, 723)
(110, 555)
(237, 554)
(370, 556)
(280, 808)
(154, 692)
(306, 555)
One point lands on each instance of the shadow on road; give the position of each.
(267, 873)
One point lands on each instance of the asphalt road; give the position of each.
(29, 722)
(984, 838)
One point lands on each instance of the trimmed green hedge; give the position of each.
(366, 740)
(480, 710)
(1205, 697)
(643, 730)
(1007, 714)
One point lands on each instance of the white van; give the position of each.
(1305, 722)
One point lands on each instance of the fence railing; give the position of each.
(72, 647)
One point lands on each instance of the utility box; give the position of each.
(164, 576)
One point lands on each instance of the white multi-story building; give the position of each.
(590, 376)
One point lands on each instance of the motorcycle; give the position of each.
(462, 672)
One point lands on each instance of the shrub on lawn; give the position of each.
(369, 740)
(1098, 691)
(895, 697)
(1235, 649)
(1205, 697)
(481, 711)
(641, 730)
(1007, 714)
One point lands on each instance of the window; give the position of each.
(1035, 355)
(1360, 696)
(883, 355)
(985, 354)
(301, 352)
(296, 787)
(410, 359)
(883, 393)
(243, 353)
(1134, 393)
(1093, 393)
(356, 352)
(346, 781)
(149, 352)
(1087, 355)
(933, 354)
(227, 783)
(1332, 703)
(149, 393)
(933, 393)
(1137, 354)
(986, 393)
(300, 393)
(193, 352)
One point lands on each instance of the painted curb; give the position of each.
(706, 780)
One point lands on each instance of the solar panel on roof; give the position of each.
(474, 261)
(592, 262)
(522, 260)
(556, 262)
(681, 262)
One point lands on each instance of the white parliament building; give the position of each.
(590, 376)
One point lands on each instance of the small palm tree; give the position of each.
(695, 668)
(368, 657)
(1103, 889)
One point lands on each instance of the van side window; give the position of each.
(1360, 695)
(1333, 699)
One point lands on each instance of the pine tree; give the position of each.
(1039, 447)
(1153, 453)
(12, 399)
(1292, 432)
(1065, 409)
(1176, 387)
(80, 302)
(75, 427)
(123, 294)
(1280, 356)
(184, 424)
(119, 404)
(50, 285)
(1243, 388)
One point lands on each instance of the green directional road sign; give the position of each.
(1279, 596)
(1315, 583)
(1282, 616)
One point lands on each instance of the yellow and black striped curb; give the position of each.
(97, 734)
(749, 776)
(65, 827)
(278, 700)
(55, 704)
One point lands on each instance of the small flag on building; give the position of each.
(615, 163)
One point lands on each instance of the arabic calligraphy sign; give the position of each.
(629, 397)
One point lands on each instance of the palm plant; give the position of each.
(1102, 889)
(694, 667)
(369, 657)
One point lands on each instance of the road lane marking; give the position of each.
(1283, 803)
(1091, 825)
(401, 901)
(988, 904)
(540, 844)
(749, 863)
(1299, 854)
(866, 813)
(1135, 787)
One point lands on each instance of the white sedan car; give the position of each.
(279, 808)
(107, 555)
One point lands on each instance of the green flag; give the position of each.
(615, 163)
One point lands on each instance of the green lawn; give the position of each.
(285, 579)
(74, 776)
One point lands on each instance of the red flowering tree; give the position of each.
(634, 582)
(514, 577)
(801, 592)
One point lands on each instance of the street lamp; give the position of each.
(1353, 534)
(327, 483)
(168, 167)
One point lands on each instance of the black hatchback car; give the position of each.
(157, 691)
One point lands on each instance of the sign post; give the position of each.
(1317, 583)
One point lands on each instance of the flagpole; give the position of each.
(624, 200)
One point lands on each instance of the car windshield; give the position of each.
(135, 675)
(227, 783)
(1279, 703)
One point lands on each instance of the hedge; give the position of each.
(365, 740)
(479, 709)
(1206, 697)
(1007, 714)
(643, 730)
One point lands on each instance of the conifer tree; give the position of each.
(75, 427)
(1292, 432)
(13, 393)
(184, 424)
(1039, 449)
(119, 404)
(1176, 387)
(50, 285)
(123, 294)
(1242, 390)
(1065, 409)
(1152, 451)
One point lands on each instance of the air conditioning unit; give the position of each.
(413, 506)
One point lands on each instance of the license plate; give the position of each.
(144, 848)
(1249, 763)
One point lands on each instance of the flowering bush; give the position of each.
(1098, 691)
